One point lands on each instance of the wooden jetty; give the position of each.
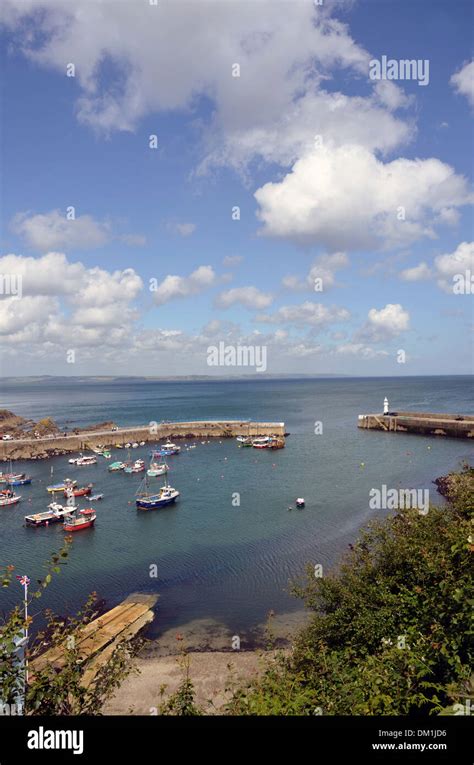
(424, 423)
(100, 637)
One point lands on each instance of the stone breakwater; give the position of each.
(424, 423)
(50, 446)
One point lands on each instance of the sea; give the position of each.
(225, 556)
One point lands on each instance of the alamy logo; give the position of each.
(404, 69)
(399, 499)
(56, 739)
(237, 356)
(10, 709)
(12, 285)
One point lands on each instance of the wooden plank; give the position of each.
(54, 654)
(103, 630)
(101, 659)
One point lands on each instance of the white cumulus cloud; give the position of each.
(463, 82)
(182, 286)
(346, 198)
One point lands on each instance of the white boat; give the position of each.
(142, 443)
(261, 443)
(136, 467)
(300, 502)
(82, 461)
(55, 514)
(128, 446)
(156, 469)
(73, 460)
(8, 497)
(135, 445)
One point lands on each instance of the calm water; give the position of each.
(217, 561)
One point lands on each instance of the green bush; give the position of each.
(391, 628)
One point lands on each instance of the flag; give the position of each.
(23, 580)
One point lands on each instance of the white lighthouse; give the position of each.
(385, 405)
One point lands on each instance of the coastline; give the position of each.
(214, 666)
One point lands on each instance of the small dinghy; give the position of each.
(300, 502)
(96, 497)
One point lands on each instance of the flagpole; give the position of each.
(26, 634)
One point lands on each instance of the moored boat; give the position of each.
(116, 466)
(166, 495)
(135, 467)
(19, 480)
(276, 443)
(244, 440)
(11, 477)
(83, 491)
(55, 514)
(8, 497)
(84, 460)
(84, 519)
(96, 497)
(157, 468)
(61, 486)
(261, 443)
(168, 449)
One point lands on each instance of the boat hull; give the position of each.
(78, 526)
(144, 504)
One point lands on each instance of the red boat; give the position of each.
(83, 520)
(82, 492)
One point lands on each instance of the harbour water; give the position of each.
(227, 551)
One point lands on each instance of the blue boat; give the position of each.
(165, 496)
(22, 481)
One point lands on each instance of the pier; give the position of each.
(99, 639)
(422, 423)
(46, 446)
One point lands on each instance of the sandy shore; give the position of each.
(214, 665)
(211, 673)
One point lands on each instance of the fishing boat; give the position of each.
(19, 480)
(10, 477)
(165, 496)
(116, 466)
(83, 491)
(82, 461)
(244, 440)
(84, 519)
(62, 486)
(55, 514)
(106, 454)
(8, 497)
(168, 449)
(276, 443)
(96, 497)
(135, 467)
(156, 469)
(261, 443)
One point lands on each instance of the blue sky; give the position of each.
(379, 207)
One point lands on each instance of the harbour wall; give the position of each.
(39, 448)
(424, 423)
